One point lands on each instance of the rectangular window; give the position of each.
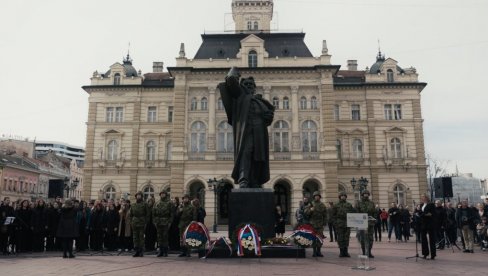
(388, 112)
(355, 112)
(336, 112)
(119, 114)
(110, 115)
(151, 114)
(170, 114)
(398, 111)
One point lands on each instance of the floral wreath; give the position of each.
(305, 236)
(248, 240)
(196, 235)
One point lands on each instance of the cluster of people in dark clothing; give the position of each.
(97, 225)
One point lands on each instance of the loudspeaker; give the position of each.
(56, 188)
(443, 187)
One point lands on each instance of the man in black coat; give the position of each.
(67, 228)
(465, 218)
(394, 223)
(427, 227)
(5, 230)
(440, 226)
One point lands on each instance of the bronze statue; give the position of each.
(249, 115)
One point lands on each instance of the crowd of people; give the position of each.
(436, 225)
(96, 225)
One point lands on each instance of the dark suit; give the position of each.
(428, 222)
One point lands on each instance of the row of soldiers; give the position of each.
(317, 213)
(162, 217)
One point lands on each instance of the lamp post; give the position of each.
(216, 186)
(361, 184)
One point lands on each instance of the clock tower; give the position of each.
(252, 16)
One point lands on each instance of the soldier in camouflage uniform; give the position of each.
(317, 212)
(139, 216)
(187, 213)
(339, 217)
(368, 207)
(162, 218)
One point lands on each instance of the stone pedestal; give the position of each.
(252, 205)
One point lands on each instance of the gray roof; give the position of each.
(16, 160)
(130, 71)
(380, 59)
(222, 46)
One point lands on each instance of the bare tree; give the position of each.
(435, 168)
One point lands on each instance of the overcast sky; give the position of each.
(50, 48)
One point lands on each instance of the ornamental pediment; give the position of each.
(252, 39)
(395, 129)
(151, 133)
(112, 132)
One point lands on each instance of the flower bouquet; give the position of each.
(196, 235)
(277, 242)
(305, 236)
(248, 240)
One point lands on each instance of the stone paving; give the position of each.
(390, 259)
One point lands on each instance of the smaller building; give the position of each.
(19, 178)
(61, 149)
(465, 186)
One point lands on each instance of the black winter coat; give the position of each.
(39, 219)
(68, 227)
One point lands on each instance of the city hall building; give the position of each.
(167, 130)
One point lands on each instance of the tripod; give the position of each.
(447, 241)
(416, 249)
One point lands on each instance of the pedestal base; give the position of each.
(252, 205)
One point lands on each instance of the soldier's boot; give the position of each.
(183, 252)
(362, 249)
(346, 253)
(161, 252)
(369, 253)
(141, 252)
(319, 254)
(136, 254)
(165, 251)
(341, 254)
(314, 254)
(188, 252)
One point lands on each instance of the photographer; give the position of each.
(465, 218)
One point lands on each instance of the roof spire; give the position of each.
(380, 56)
(128, 60)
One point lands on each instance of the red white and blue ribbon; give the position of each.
(215, 243)
(199, 226)
(255, 239)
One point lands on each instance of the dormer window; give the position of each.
(117, 79)
(389, 75)
(253, 59)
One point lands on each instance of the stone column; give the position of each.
(90, 148)
(295, 129)
(211, 118)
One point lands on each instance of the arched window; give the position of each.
(151, 151)
(225, 138)
(276, 102)
(249, 25)
(256, 26)
(110, 192)
(253, 59)
(117, 79)
(112, 150)
(203, 104)
(147, 192)
(309, 136)
(280, 137)
(313, 103)
(303, 102)
(220, 104)
(396, 148)
(286, 103)
(389, 75)
(339, 149)
(198, 137)
(169, 151)
(357, 148)
(194, 104)
(399, 194)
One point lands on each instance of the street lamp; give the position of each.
(216, 186)
(359, 185)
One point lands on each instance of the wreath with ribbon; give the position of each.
(196, 235)
(248, 240)
(305, 236)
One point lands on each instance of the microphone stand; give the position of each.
(416, 256)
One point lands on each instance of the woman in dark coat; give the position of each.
(67, 228)
(83, 220)
(174, 232)
(280, 220)
(24, 236)
(150, 232)
(112, 224)
(39, 226)
(97, 225)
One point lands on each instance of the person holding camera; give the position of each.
(465, 218)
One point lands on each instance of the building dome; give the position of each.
(129, 70)
(376, 67)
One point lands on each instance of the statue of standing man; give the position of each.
(249, 115)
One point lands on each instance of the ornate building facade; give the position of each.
(168, 130)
